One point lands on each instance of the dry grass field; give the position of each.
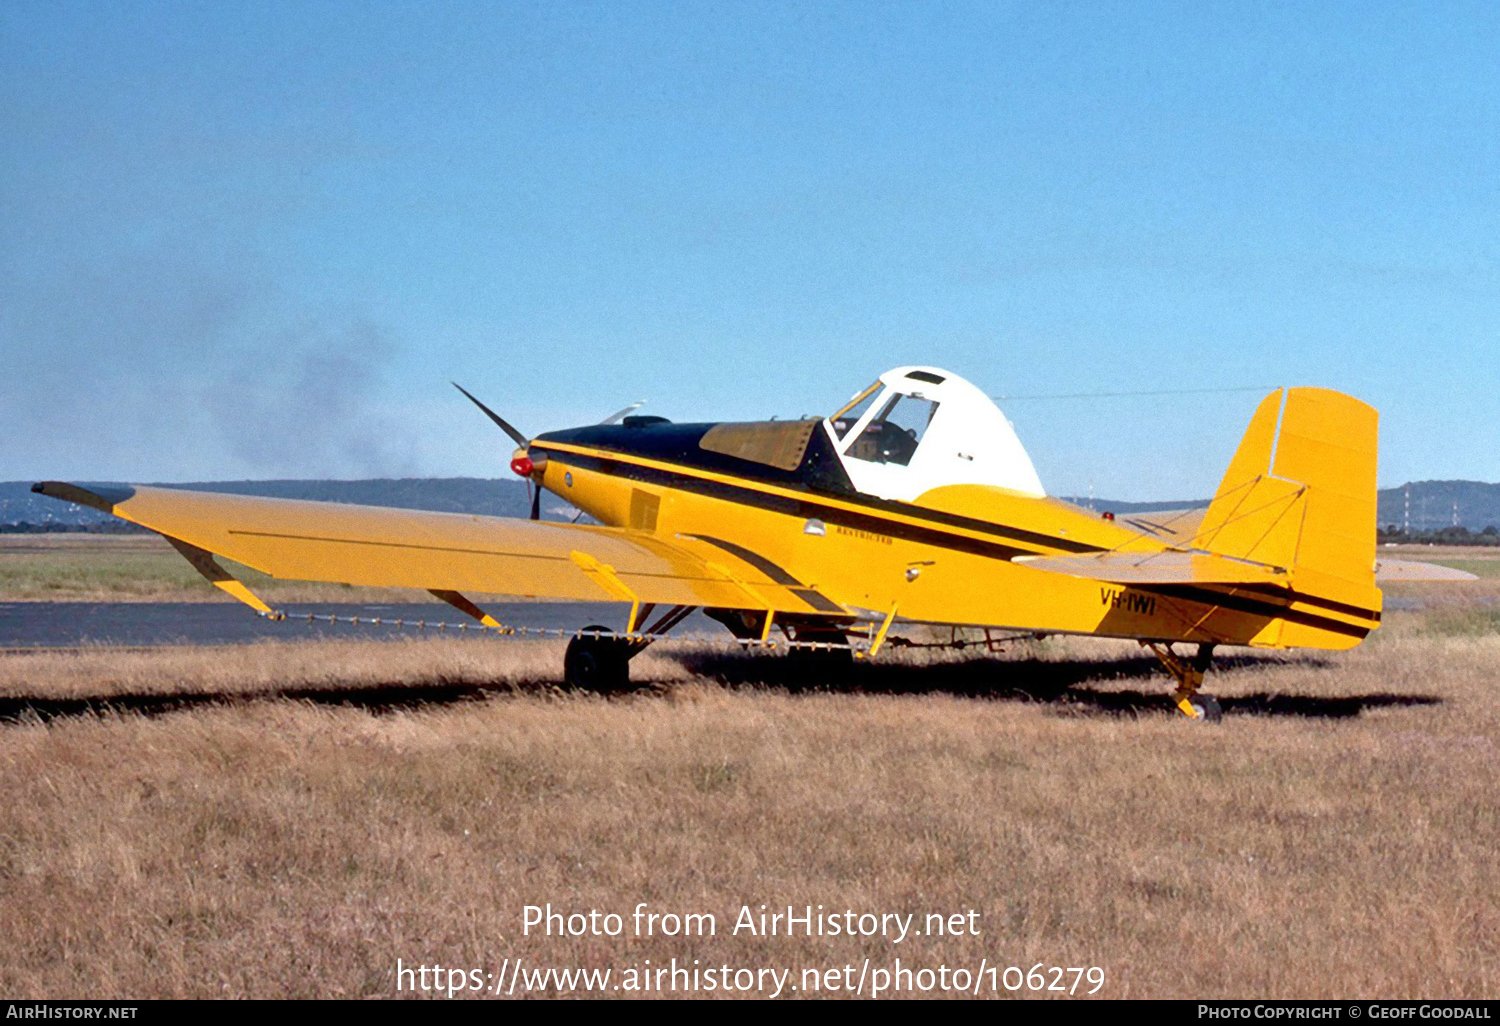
(290, 819)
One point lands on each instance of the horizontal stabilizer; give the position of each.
(1171, 567)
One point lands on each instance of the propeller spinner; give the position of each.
(521, 463)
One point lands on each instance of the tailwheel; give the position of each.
(1206, 708)
(598, 662)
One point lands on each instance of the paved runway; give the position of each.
(68, 624)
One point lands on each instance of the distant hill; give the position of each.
(1112, 506)
(1433, 504)
(1438, 504)
(504, 498)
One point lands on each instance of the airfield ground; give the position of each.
(76, 567)
(290, 819)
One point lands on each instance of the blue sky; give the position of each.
(258, 240)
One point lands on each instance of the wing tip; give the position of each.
(103, 497)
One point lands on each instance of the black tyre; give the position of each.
(1208, 708)
(599, 663)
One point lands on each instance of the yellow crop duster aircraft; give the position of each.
(913, 504)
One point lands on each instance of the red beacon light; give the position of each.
(1107, 515)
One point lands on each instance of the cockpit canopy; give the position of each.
(919, 428)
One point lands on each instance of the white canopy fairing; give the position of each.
(919, 428)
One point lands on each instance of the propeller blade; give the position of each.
(536, 500)
(627, 410)
(520, 439)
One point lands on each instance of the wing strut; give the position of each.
(884, 629)
(203, 561)
(463, 605)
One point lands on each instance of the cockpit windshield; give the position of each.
(854, 409)
(917, 429)
(895, 433)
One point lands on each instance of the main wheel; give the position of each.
(599, 663)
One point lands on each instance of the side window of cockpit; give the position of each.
(893, 436)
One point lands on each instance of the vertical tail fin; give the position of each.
(1300, 494)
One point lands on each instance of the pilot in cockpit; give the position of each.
(895, 432)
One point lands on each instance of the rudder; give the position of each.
(1300, 494)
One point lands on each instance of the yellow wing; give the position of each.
(445, 552)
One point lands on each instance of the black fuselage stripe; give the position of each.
(776, 573)
(821, 603)
(808, 509)
(1314, 600)
(755, 559)
(1255, 607)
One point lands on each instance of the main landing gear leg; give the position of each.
(1189, 676)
